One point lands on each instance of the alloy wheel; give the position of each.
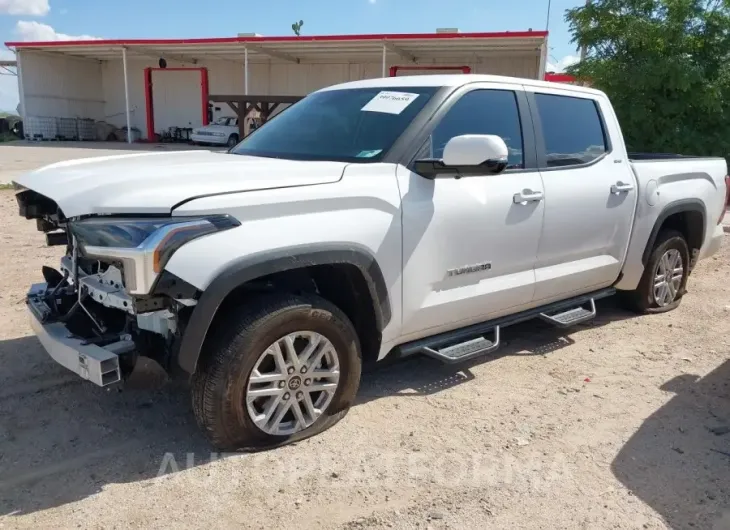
(292, 383)
(668, 277)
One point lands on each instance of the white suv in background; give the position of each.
(223, 131)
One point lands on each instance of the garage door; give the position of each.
(176, 99)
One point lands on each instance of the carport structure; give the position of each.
(266, 106)
(151, 84)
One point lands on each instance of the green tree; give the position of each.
(297, 27)
(665, 64)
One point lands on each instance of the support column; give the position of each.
(240, 114)
(149, 105)
(543, 61)
(385, 61)
(242, 122)
(205, 93)
(245, 71)
(126, 95)
(21, 87)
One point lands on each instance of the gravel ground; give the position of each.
(623, 423)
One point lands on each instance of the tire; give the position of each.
(232, 140)
(220, 386)
(644, 299)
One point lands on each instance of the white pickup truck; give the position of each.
(386, 217)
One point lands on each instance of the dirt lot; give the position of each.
(608, 426)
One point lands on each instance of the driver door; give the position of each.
(469, 246)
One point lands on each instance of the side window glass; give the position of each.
(483, 112)
(572, 130)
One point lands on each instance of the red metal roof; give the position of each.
(559, 78)
(287, 38)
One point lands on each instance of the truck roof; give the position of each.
(454, 80)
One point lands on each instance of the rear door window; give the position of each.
(572, 129)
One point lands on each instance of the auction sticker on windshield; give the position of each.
(390, 102)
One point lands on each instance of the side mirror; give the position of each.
(474, 150)
(468, 154)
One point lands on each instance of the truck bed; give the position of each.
(667, 182)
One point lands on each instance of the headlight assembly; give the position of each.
(143, 245)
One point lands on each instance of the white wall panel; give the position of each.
(512, 65)
(61, 86)
(271, 77)
(113, 91)
(227, 76)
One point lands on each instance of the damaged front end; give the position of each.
(111, 299)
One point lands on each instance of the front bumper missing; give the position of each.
(97, 364)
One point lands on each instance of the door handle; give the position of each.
(620, 187)
(526, 196)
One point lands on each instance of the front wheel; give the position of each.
(665, 277)
(279, 371)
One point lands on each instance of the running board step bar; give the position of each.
(463, 351)
(471, 341)
(571, 317)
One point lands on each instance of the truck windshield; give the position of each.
(349, 125)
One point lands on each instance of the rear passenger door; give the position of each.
(590, 193)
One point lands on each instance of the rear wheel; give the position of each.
(665, 277)
(232, 140)
(281, 370)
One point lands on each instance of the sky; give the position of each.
(34, 20)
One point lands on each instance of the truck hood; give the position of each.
(154, 183)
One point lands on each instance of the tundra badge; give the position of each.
(470, 268)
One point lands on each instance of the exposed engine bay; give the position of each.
(88, 297)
